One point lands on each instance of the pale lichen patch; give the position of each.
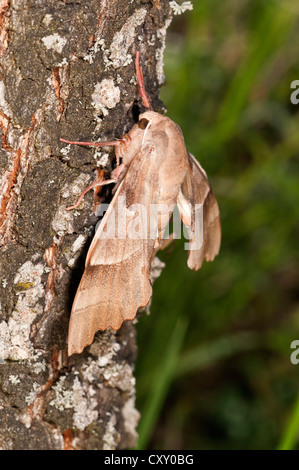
(74, 189)
(14, 379)
(179, 9)
(84, 405)
(102, 159)
(98, 45)
(38, 365)
(131, 417)
(161, 35)
(156, 268)
(105, 96)
(25, 418)
(105, 349)
(119, 376)
(29, 399)
(54, 42)
(3, 103)
(78, 243)
(111, 437)
(19, 345)
(65, 152)
(79, 397)
(4, 340)
(47, 19)
(64, 396)
(15, 340)
(117, 54)
(75, 250)
(124, 38)
(62, 222)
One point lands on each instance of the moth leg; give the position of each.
(118, 171)
(164, 243)
(108, 143)
(124, 141)
(141, 87)
(92, 185)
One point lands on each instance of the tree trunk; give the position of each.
(67, 70)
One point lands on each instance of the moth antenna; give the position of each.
(92, 185)
(93, 144)
(141, 87)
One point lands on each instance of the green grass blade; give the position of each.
(161, 384)
(291, 433)
(207, 355)
(278, 22)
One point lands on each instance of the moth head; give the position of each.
(151, 116)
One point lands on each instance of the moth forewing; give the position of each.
(116, 280)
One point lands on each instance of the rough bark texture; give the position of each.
(66, 70)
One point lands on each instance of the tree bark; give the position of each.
(66, 70)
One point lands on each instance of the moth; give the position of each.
(156, 172)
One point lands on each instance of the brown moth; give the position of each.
(156, 171)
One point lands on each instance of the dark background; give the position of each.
(214, 369)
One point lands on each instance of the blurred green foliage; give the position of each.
(214, 369)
